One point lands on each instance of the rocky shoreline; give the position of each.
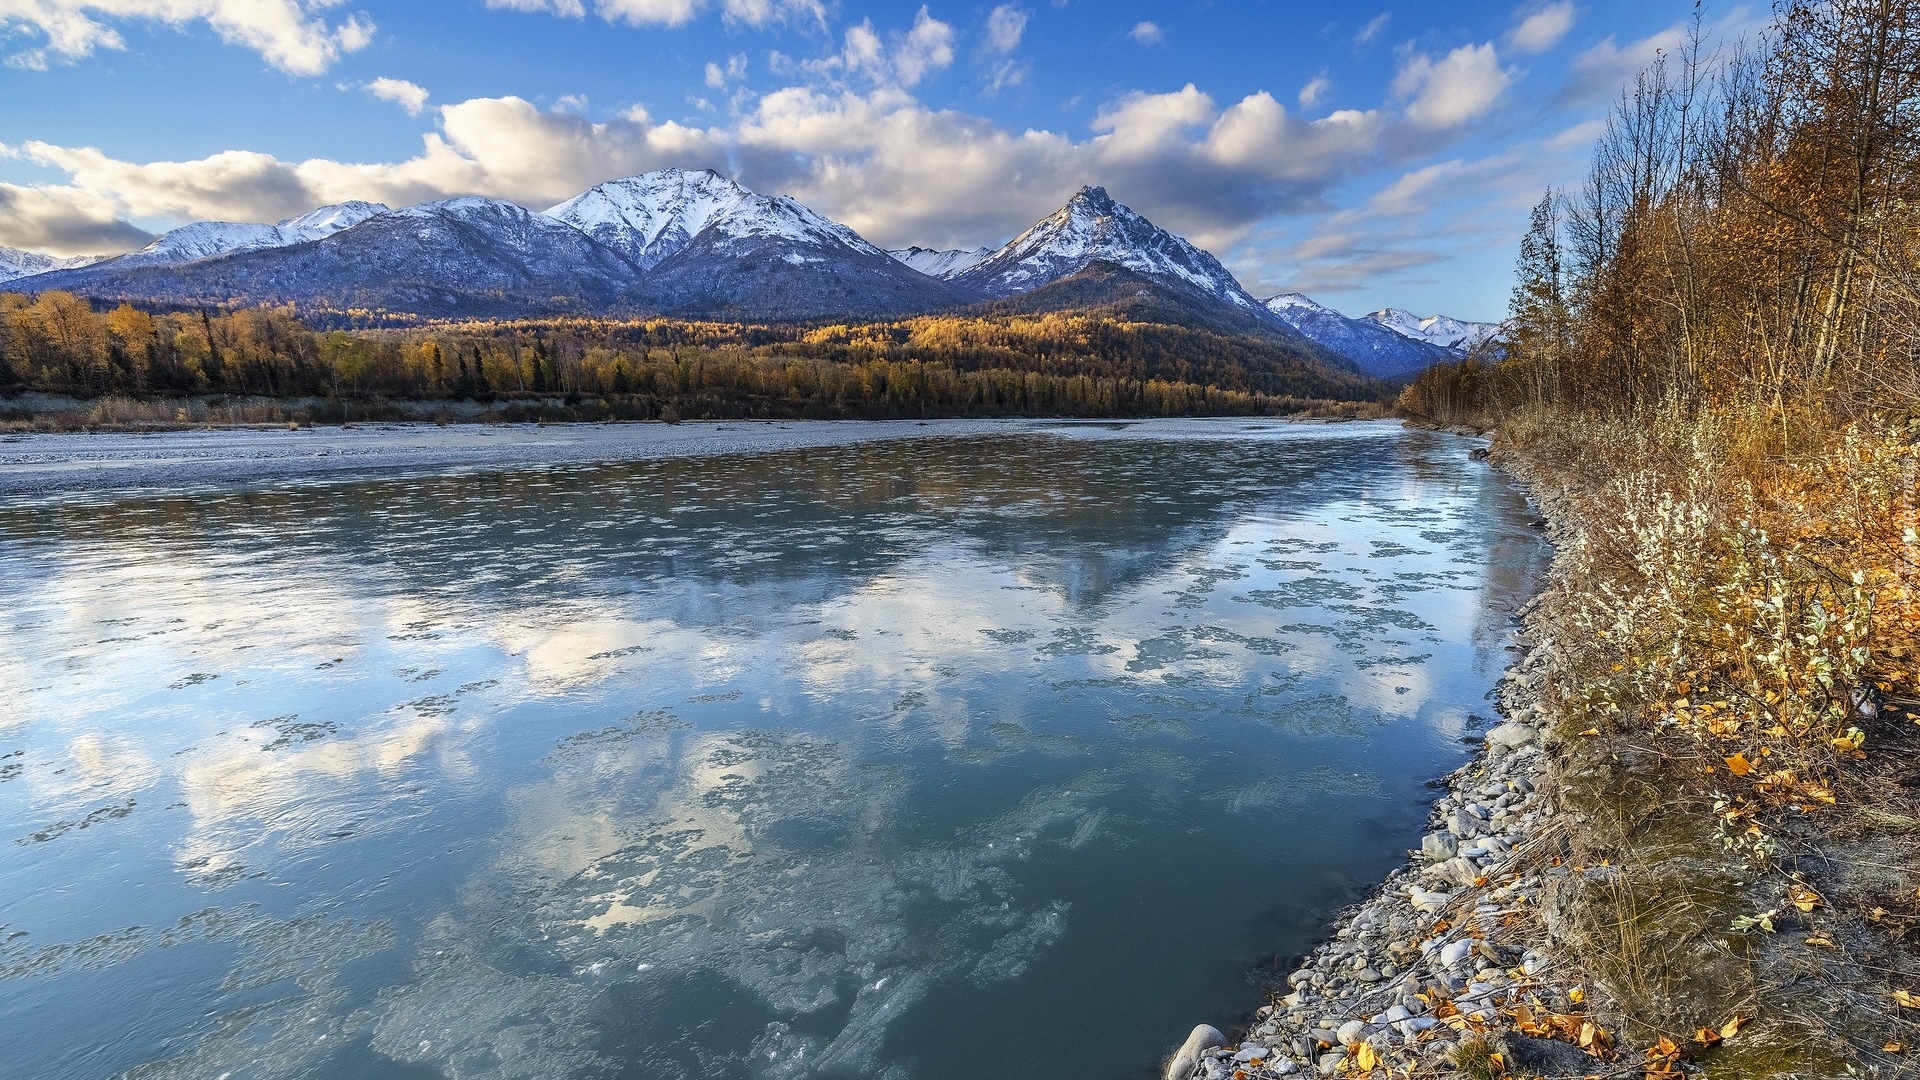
(1448, 962)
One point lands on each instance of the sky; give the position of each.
(1368, 154)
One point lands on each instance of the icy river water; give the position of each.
(936, 759)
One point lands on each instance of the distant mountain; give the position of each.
(465, 256)
(1435, 329)
(941, 264)
(15, 263)
(205, 239)
(1375, 349)
(1093, 228)
(709, 247)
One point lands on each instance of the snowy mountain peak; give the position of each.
(650, 217)
(1293, 301)
(15, 263)
(1448, 333)
(205, 239)
(941, 264)
(1092, 227)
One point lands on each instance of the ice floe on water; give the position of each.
(846, 761)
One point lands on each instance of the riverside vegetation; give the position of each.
(263, 364)
(1710, 383)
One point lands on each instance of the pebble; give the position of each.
(1387, 952)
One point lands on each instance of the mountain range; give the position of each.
(695, 244)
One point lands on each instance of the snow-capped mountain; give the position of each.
(464, 256)
(710, 247)
(651, 217)
(941, 264)
(1448, 333)
(205, 239)
(1374, 348)
(1093, 228)
(15, 263)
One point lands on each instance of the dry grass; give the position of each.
(1734, 630)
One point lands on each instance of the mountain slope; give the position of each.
(1091, 228)
(466, 256)
(941, 264)
(711, 248)
(1373, 348)
(15, 263)
(205, 239)
(1438, 330)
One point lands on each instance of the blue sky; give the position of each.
(1368, 154)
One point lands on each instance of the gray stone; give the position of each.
(1251, 1051)
(1368, 975)
(1439, 846)
(1352, 1032)
(1181, 1065)
(1544, 1057)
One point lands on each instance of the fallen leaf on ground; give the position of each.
(1706, 1036)
(1906, 999)
(1738, 765)
(1732, 1027)
(1804, 898)
(1591, 731)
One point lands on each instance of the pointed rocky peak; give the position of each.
(327, 220)
(1090, 228)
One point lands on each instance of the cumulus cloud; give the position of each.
(1147, 33)
(1005, 25)
(1541, 28)
(1315, 89)
(409, 96)
(284, 32)
(1448, 92)
(927, 47)
(718, 77)
(64, 220)
(672, 12)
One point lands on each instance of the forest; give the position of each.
(1710, 379)
(1050, 364)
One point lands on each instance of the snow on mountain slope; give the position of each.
(15, 263)
(1092, 227)
(1448, 333)
(655, 215)
(205, 239)
(1374, 348)
(941, 264)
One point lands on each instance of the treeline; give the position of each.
(1047, 364)
(1748, 237)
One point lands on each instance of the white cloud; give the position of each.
(409, 96)
(284, 32)
(1448, 92)
(1005, 26)
(1147, 33)
(1601, 71)
(1315, 89)
(1376, 26)
(718, 77)
(1542, 28)
(672, 12)
(927, 47)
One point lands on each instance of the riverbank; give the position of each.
(1613, 886)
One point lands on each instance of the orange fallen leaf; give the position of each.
(1906, 1000)
(1591, 731)
(1804, 898)
(1894, 1048)
(1738, 765)
(1706, 1036)
(1821, 941)
(1732, 1027)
